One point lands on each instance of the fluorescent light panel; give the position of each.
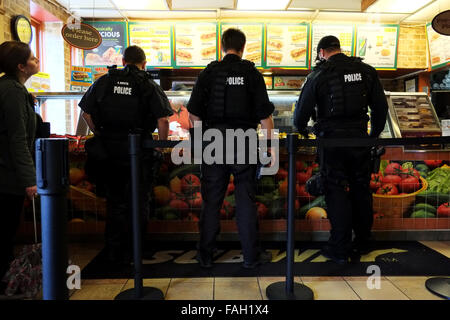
(141, 4)
(262, 4)
(397, 6)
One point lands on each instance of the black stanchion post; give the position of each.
(139, 292)
(439, 286)
(52, 173)
(288, 290)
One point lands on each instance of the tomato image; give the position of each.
(443, 210)
(391, 178)
(410, 184)
(392, 168)
(375, 181)
(388, 189)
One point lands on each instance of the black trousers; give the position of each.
(11, 208)
(119, 217)
(215, 179)
(347, 194)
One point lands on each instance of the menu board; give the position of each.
(378, 45)
(156, 41)
(39, 82)
(114, 42)
(414, 112)
(254, 33)
(195, 44)
(80, 78)
(288, 83)
(439, 48)
(345, 34)
(287, 45)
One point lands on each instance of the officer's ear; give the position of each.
(123, 62)
(144, 64)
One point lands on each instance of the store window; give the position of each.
(35, 45)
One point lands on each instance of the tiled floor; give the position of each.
(324, 288)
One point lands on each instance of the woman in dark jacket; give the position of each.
(17, 134)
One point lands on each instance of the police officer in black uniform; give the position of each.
(230, 94)
(337, 95)
(121, 102)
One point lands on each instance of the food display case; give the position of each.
(177, 201)
(413, 115)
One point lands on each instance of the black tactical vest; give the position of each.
(229, 100)
(121, 104)
(347, 84)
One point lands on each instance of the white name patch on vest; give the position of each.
(122, 90)
(236, 81)
(353, 77)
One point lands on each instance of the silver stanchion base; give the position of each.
(148, 293)
(277, 291)
(439, 286)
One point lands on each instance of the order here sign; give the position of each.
(81, 35)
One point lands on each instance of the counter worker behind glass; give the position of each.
(120, 102)
(230, 94)
(338, 93)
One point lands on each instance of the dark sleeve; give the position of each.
(263, 107)
(88, 102)
(14, 103)
(378, 107)
(304, 107)
(197, 101)
(159, 104)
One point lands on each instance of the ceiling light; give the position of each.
(262, 4)
(397, 6)
(141, 5)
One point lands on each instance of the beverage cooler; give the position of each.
(176, 192)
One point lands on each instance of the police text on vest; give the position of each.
(237, 81)
(353, 77)
(122, 90)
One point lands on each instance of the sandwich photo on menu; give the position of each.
(274, 44)
(252, 47)
(208, 36)
(184, 55)
(209, 52)
(274, 57)
(298, 37)
(254, 57)
(298, 53)
(187, 42)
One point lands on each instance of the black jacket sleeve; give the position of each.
(197, 101)
(304, 108)
(262, 105)
(159, 104)
(378, 106)
(88, 102)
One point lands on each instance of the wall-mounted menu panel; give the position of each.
(114, 42)
(439, 48)
(378, 45)
(156, 41)
(254, 33)
(287, 45)
(195, 44)
(345, 34)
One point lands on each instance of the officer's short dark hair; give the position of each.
(329, 44)
(134, 54)
(233, 39)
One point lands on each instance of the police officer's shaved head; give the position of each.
(134, 55)
(233, 39)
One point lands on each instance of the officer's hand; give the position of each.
(273, 157)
